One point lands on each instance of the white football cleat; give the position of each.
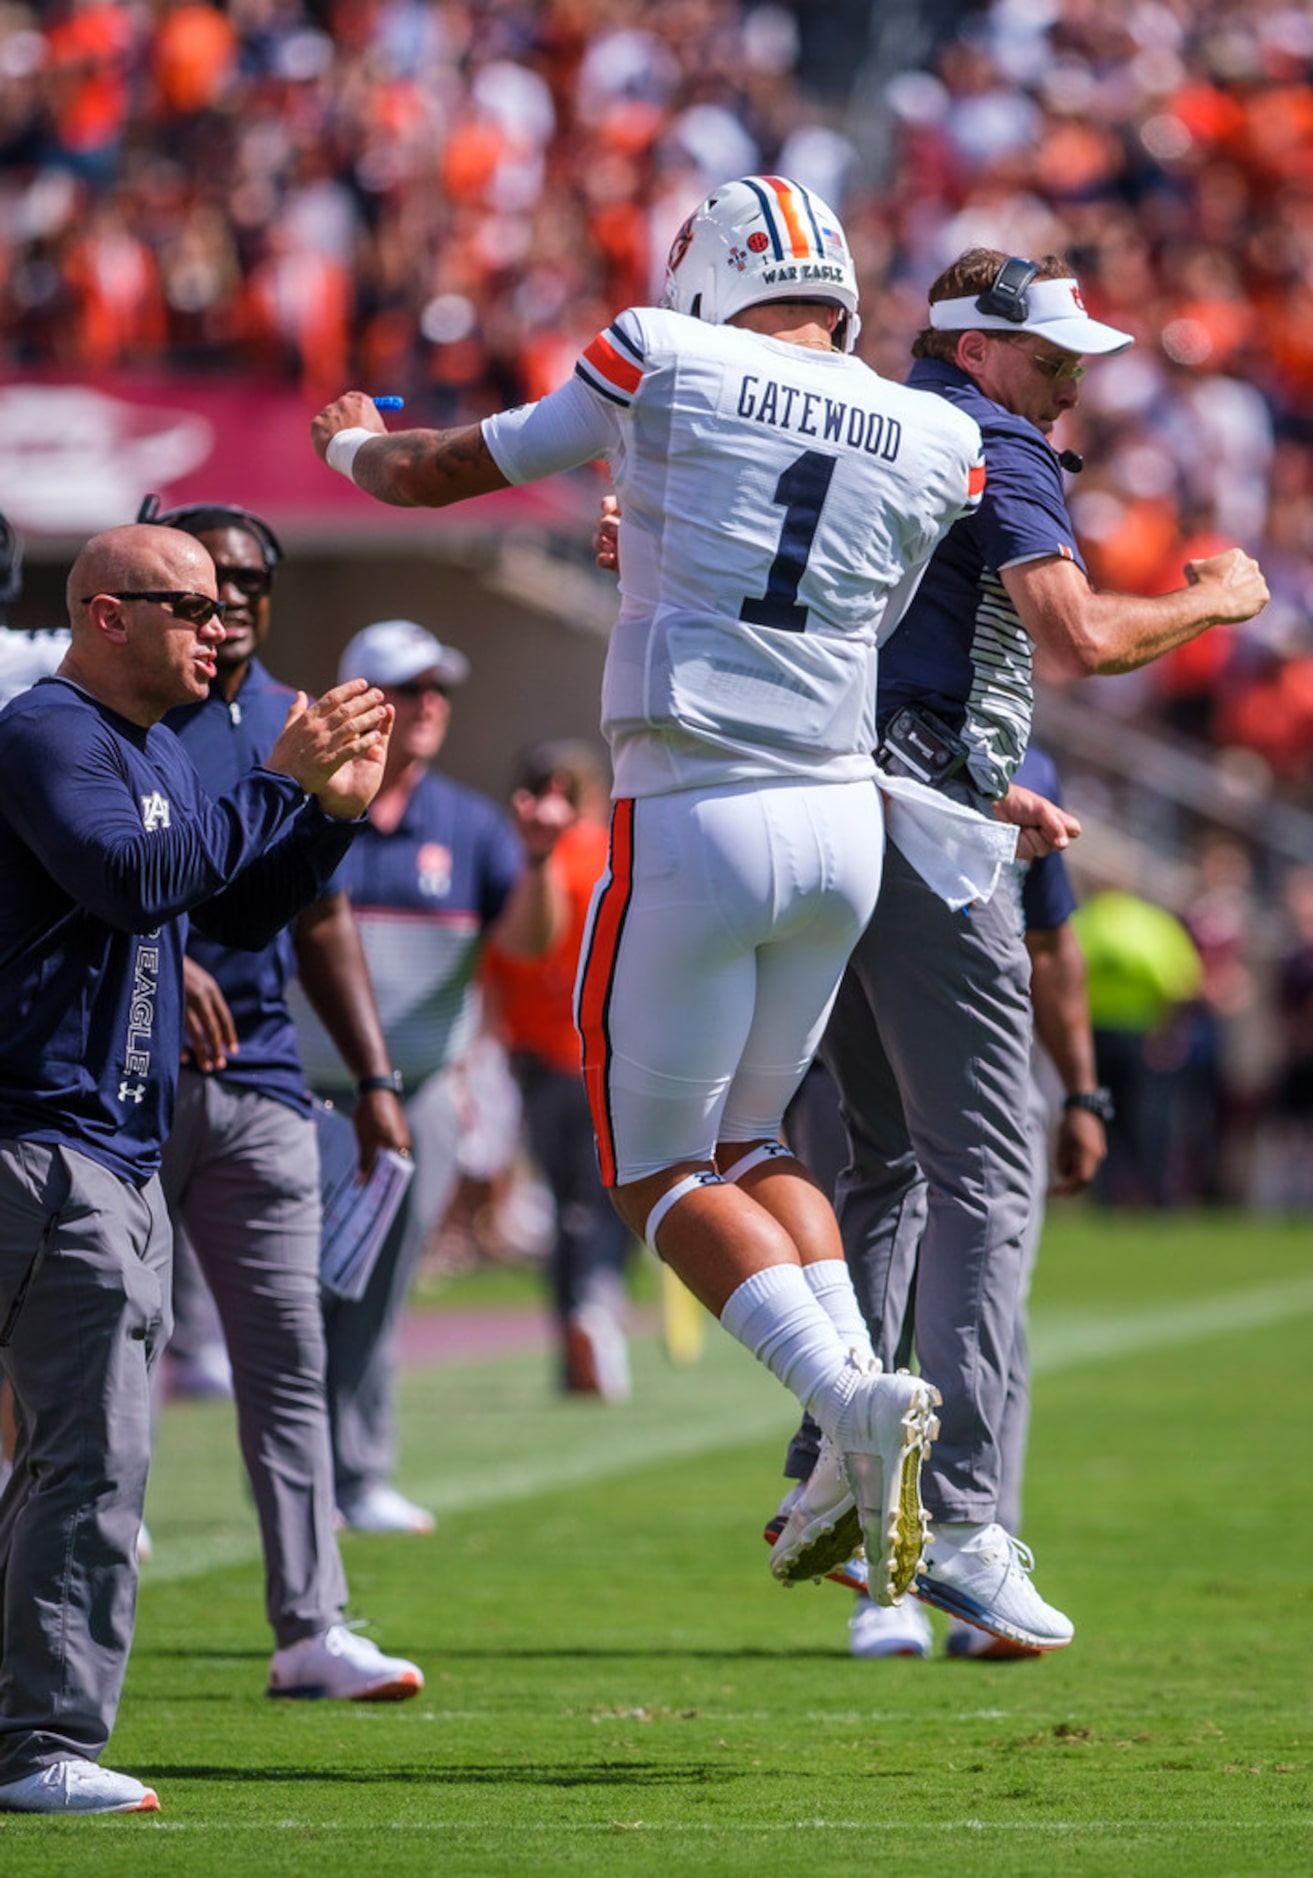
(889, 1630)
(981, 1574)
(885, 1434)
(77, 1787)
(820, 1530)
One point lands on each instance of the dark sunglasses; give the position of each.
(420, 691)
(253, 583)
(194, 609)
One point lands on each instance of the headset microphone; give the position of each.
(1071, 461)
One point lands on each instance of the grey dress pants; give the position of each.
(84, 1312)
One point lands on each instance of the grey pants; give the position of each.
(363, 1333)
(241, 1175)
(929, 1045)
(84, 1312)
(591, 1242)
(815, 1131)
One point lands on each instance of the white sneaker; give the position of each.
(889, 1630)
(77, 1787)
(381, 1508)
(884, 1435)
(340, 1666)
(816, 1529)
(596, 1355)
(981, 1574)
(964, 1640)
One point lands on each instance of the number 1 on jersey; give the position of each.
(801, 493)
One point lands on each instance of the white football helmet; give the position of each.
(761, 238)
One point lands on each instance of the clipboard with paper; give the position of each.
(357, 1214)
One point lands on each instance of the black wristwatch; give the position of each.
(392, 1082)
(1098, 1101)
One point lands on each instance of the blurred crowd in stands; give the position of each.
(446, 198)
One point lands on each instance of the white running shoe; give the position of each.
(964, 1640)
(981, 1574)
(596, 1355)
(820, 1530)
(339, 1666)
(380, 1508)
(889, 1630)
(884, 1435)
(77, 1787)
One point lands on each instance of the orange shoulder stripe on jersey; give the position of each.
(609, 364)
(976, 479)
(595, 980)
(798, 235)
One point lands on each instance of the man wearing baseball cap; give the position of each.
(442, 869)
(929, 1041)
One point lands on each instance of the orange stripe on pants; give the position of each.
(598, 974)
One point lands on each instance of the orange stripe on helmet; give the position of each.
(597, 977)
(799, 235)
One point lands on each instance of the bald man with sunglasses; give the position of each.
(930, 1039)
(108, 847)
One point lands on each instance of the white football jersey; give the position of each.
(773, 498)
(27, 656)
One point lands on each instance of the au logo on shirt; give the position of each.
(433, 870)
(154, 811)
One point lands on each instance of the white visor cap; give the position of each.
(1054, 311)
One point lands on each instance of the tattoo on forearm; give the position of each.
(426, 467)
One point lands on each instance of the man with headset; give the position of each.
(241, 1165)
(930, 1040)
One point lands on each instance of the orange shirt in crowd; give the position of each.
(533, 998)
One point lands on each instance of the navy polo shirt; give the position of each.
(107, 842)
(960, 648)
(225, 742)
(424, 896)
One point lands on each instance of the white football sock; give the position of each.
(775, 1315)
(832, 1287)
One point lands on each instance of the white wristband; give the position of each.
(342, 447)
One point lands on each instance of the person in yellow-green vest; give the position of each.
(1142, 970)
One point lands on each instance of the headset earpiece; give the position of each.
(1005, 297)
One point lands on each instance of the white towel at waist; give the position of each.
(958, 852)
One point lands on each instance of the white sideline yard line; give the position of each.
(716, 1418)
(1120, 1828)
(1063, 1341)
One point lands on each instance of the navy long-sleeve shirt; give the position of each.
(225, 742)
(107, 844)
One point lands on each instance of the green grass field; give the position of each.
(615, 1684)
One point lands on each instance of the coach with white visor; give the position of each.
(929, 1041)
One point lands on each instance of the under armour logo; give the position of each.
(131, 1091)
(154, 811)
